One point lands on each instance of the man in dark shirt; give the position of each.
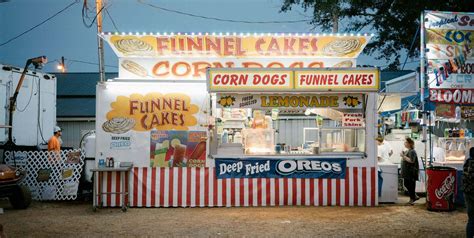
(468, 187)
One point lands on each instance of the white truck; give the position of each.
(34, 116)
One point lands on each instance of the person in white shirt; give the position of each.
(384, 150)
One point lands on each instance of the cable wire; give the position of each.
(31, 96)
(39, 24)
(84, 14)
(91, 63)
(411, 46)
(39, 111)
(112, 20)
(220, 19)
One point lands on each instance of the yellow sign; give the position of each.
(337, 80)
(250, 80)
(307, 80)
(450, 37)
(172, 111)
(238, 45)
(346, 101)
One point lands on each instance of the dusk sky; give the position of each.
(66, 35)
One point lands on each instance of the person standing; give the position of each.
(468, 187)
(54, 145)
(54, 142)
(410, 169)
(384, 150)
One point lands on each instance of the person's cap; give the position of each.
(56, 129)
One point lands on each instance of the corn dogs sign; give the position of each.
(249, 80)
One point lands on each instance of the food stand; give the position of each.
(449, 61)
(159, 115)
(328, 171)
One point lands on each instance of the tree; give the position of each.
(394, 22)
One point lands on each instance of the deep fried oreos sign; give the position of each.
(281, 168)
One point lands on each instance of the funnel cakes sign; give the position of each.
(237, 45)
(186, 56)
(305, 80)
(172, 111)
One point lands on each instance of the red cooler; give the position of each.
(441, 191)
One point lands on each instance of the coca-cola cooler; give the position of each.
(441, 188)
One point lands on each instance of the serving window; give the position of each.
(339, 128)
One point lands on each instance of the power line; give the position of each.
(80, 61)
(91, 63)
(85, 15)
(220, 19)
(411, 46)
(112, 20)
(39, 24)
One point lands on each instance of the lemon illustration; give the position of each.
(223, 101)
(175, 142)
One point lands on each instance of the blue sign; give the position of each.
(281, 168)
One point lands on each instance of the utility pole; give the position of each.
(100, 43)
(335, 22)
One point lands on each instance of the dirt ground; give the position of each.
(76, 219)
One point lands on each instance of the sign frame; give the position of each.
(295, 72)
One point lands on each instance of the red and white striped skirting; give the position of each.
(198, 187)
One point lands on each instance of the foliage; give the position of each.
(394, 22)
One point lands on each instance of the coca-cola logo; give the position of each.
(447, 188)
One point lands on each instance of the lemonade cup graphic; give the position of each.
(160, 154)
(178, 155)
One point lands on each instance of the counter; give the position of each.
(390, 182)
(291, 156)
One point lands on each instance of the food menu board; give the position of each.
(169, 148)
(448, 38)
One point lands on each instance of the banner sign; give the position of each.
(177, 148)
(120, 142)
(464, 78)
(450, 42)
(251, 80)
(445, 110)
(449, 20)
(195, 68)
(311, 80)
(337, 80)
(353, 120)
(280, 168)
(456, 96)
(242, 46)
(467, 112)
(262, 101)
(153, 110)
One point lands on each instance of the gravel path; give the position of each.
(76, 219)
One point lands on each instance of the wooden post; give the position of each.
(100, 43)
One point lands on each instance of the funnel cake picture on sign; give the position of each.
(133, 46)
(134, 68)
(118, 125)
(341, 47)
(343, 64)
